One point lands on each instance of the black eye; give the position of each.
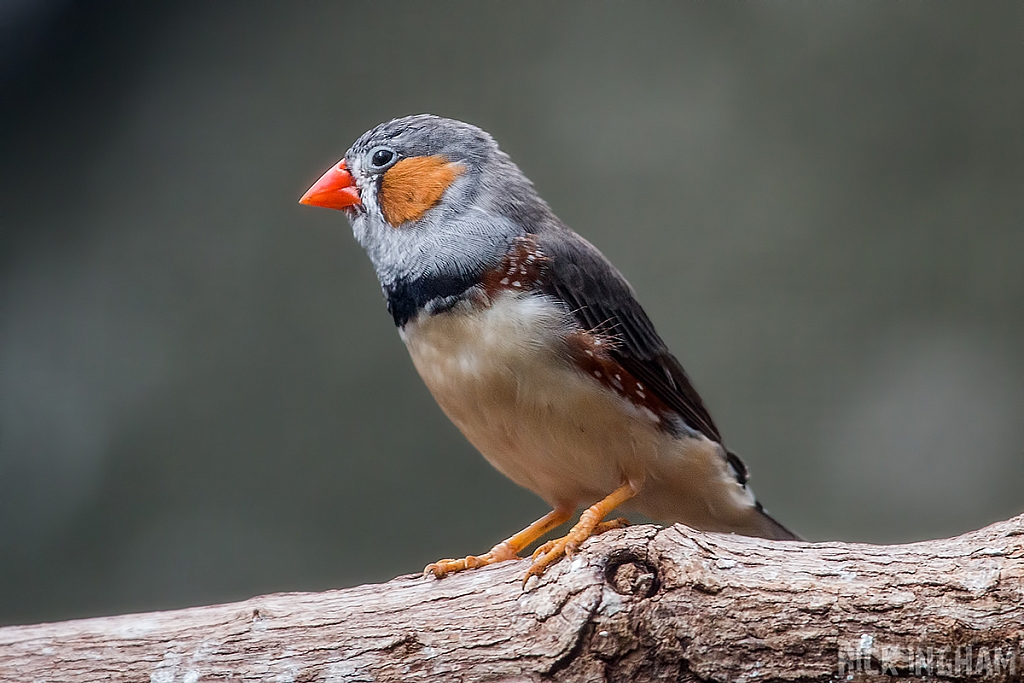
(382, 157)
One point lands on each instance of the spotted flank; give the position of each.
(521, 269)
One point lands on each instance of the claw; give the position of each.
(590, 524)
(546, 547)
(441, 568)
(506, 550)
(611, 525)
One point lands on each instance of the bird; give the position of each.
(532, 343)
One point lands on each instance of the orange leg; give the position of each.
(508, 549)
(589, 525)
(619, 523)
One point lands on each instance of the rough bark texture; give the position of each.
(634, 605)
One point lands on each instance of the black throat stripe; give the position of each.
(406, 298)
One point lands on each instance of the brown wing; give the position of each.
(602, 301)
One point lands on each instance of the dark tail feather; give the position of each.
(767, 527)
(763, 525)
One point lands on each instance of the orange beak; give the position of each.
(336, 189)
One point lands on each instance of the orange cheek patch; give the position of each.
(414, 185)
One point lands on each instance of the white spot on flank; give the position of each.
(640, 387)
(516, 284)
(531, 258)
(641, 394)
(504, 280)
(590, 353)
(597, 373)
(618, 376)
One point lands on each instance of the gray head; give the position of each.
(428, 196)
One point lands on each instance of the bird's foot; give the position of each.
(552, 551)
(610, 525)
(590, 524)
(442, 568)
(598, 530)
(506, 550)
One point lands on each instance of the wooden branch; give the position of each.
(640, 604)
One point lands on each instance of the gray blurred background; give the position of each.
(202, 397)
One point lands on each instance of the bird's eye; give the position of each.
(382, 157)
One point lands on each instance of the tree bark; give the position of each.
(640, 604)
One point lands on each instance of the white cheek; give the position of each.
(368, 195)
